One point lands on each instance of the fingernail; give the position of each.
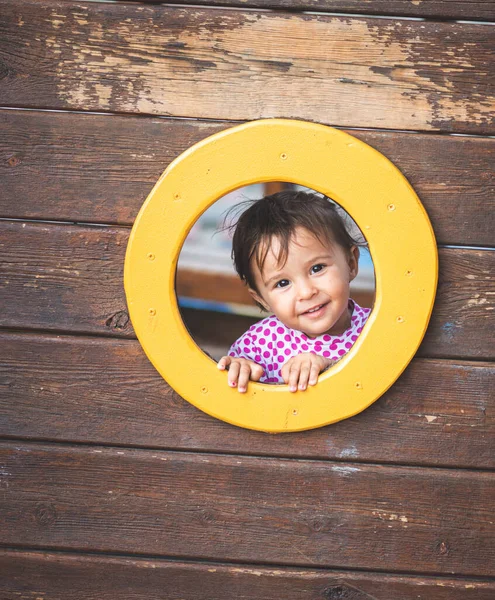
(302, 388)
(293, 388)
(242, 389)
(232, 383)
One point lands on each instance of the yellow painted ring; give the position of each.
(368, 186)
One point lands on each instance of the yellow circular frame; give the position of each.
(368, 186)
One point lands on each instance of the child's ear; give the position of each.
(353, 262)
(258, 299)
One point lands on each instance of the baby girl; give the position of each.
(297, 259)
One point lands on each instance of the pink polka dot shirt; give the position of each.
(271, 344)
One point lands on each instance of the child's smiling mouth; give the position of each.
(316, 311)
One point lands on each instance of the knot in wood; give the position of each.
(45, 514)
(119, 320)
(321, 523)
(14, 160)
(342, 591)
(207, 516)
(443, 548)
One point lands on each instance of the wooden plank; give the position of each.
(442, 9)
(65, 278)
(459, 306)
(100, 168)
(74, 576)
(232, 64)
(245, 509)
(87, 168)
(69, 278)
(94, 390)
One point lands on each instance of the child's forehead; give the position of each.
(300, 240)
(276, 250)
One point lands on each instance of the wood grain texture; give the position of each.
(94, 390)
(100, 168)
(232, 64)
(446, 9)
(69, 278)
(245, 509)
(84, 577)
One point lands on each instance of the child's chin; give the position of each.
(314, 332)
(318, 327)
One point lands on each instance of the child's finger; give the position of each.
(224, 362)
(244, 374)
(304, 376)
(233, 373)
(285, 370)
(314, 372)
(256, 372)
(294, 376)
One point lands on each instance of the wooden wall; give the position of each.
(112, 486)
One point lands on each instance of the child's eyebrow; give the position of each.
(275, 277)
(315, 259)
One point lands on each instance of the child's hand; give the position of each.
(303, 369)
(241, 370)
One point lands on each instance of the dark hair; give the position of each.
(278, 215)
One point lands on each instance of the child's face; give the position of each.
(310, 292)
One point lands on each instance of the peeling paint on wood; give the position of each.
(246, 65)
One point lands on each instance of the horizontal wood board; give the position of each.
(95, 390)
(446, 9)
(100, 168)
(246, 509)
(58, 576)
(69, 278)
(233, 64)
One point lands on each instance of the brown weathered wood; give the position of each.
(245, 509)
(153, 579)
(463, 310)
(100, 168)
(87, 168)
(439, 413)
(64, 277)
(69, 278)
(232, 64)
(446, 9)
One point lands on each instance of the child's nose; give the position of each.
(306, 290)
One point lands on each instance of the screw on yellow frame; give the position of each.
(368, 186)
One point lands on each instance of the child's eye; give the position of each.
(317, 268)
(282, 283)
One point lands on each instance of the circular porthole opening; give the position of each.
(214, 303)
(365, 184)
